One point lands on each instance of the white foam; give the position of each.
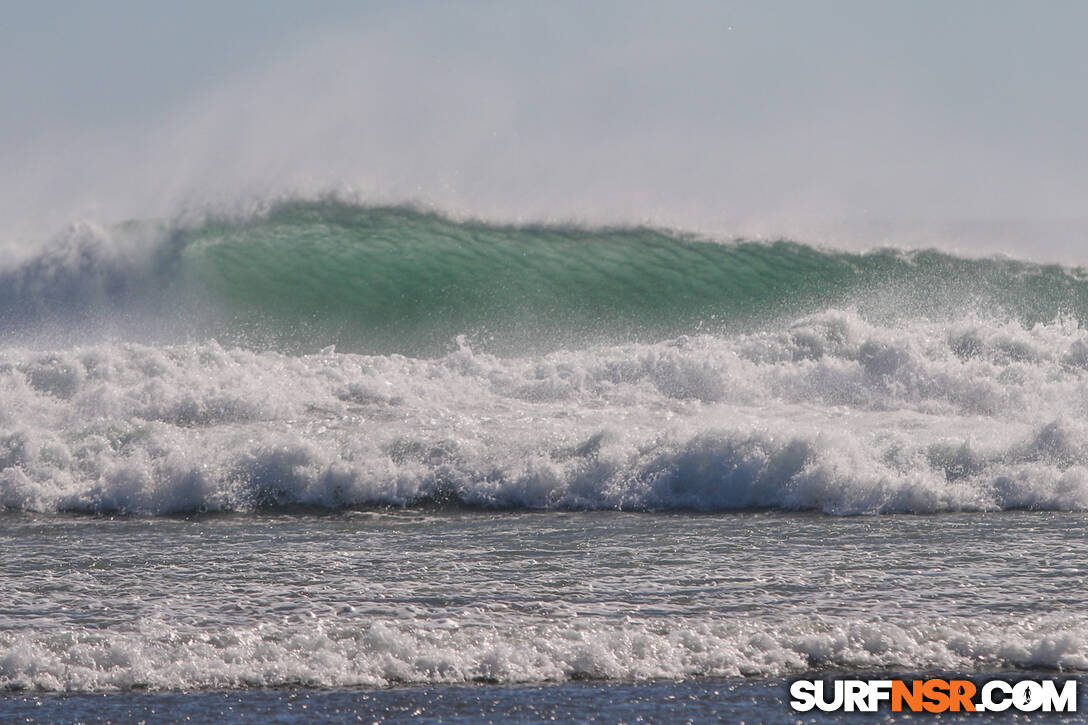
(338, 652)
(833, 414)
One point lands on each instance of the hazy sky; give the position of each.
(852, 123)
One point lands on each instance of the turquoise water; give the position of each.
(305, 275)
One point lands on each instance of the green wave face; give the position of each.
(394, 280)
(397, 280)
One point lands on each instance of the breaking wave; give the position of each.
(832, 414)
(306, 274)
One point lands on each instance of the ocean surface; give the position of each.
(324, 461)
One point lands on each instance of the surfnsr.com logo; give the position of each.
(934, 695)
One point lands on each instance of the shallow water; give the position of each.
(732, 700)
(381, 598)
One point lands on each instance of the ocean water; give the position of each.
(325, 461)
(462, 613)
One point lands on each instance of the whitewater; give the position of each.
(328, 445)
(707, 376)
